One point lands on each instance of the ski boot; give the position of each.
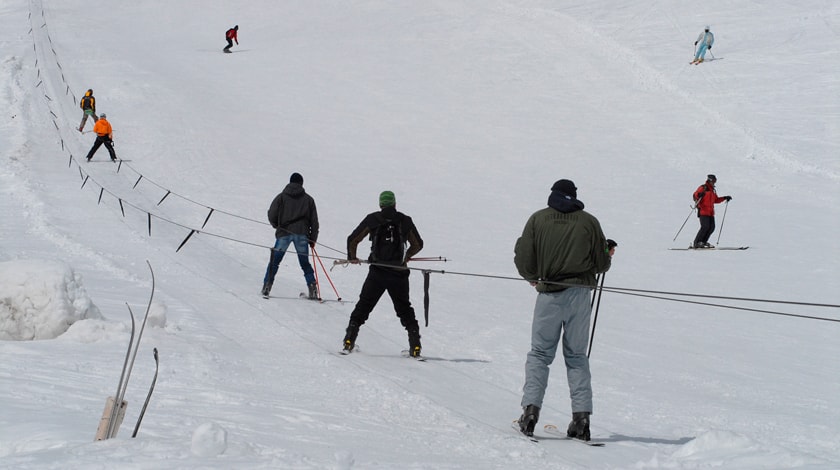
(414, 343)
(350, 337)
(528, 420)
(579, 427)
(266, 290)
(313, 291)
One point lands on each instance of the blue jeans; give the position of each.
(301, 243)
(560, 315)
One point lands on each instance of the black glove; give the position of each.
(700, 196)
(728, 198)
(695, 43)
(710, 47)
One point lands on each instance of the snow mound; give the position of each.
(41, 299)
(209, 440)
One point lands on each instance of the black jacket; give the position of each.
(373, 220)
(293, 212)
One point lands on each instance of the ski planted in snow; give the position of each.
(115, 406)
(149, 395)
(556, 432)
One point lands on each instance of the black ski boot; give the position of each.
(350, 337)
(528, 420)
(414, 343)
(313, 291)
(266, 289)
(579, 427)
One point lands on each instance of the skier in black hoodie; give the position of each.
(295, 219)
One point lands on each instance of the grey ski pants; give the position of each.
(560, 315)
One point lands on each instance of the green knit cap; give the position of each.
(387, 199)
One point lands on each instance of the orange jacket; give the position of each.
(706, 205)
(103, 128)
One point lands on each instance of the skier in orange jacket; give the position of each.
(104, 135)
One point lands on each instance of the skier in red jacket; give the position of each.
(705, 199)
(230, 36)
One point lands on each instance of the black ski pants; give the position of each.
(707, 227)
(100, 140)
(395, 282)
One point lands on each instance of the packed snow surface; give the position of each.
(468, 111)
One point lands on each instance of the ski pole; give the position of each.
(323, 268)
(686, 221)
(599, 280)
(722, 220)
(597, 306)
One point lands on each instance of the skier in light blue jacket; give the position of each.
(704, 42)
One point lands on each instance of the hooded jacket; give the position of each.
(294, 212)
(561, 243)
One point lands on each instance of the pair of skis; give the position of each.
(115, 406)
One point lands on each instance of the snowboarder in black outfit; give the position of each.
(389, 231)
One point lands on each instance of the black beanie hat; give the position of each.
(296, 178)
(566, 187)
(711, 178)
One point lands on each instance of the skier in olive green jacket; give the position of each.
(561, 250)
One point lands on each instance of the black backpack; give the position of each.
(388, 239)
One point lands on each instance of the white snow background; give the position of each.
(469, 111)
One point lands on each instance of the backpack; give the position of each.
(388, 239)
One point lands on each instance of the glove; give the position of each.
(700, 196)
(695, 43)
(710, 47)
(728, 198)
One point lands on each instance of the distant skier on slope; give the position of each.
(104, 135)
(705, 198)
(88, 105)
(230, 36)
(703, 43)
